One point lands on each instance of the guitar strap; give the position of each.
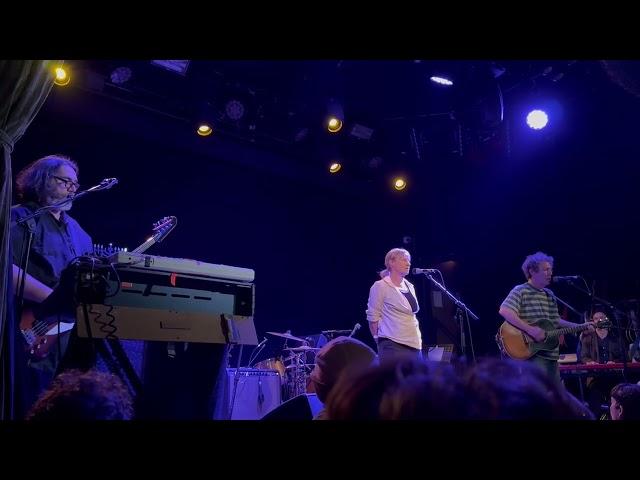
(30, 229)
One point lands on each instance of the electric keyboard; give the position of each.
(597, 368)
(146, 297)
(181, 265)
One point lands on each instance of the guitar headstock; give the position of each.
(163, 227)
(603, 324)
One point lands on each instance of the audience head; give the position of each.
(78, 395)
(401, 389)
(518, 390)
(340, 355)
(625, 402)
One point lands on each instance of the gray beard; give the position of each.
(65, 208)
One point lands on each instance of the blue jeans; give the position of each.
(388, 349)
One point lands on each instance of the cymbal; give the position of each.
(287, 336)
(303, 348)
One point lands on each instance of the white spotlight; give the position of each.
(441, 81)
(537, 119)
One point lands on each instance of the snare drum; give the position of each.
(272, 364)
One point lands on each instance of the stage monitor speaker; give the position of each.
(258, 393)
(438, 353)
(302, 407)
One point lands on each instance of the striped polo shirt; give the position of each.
(536, 307)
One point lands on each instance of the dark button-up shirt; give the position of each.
(55, 243)
(601, 350)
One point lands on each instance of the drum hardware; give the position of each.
(295, 369)
(288, 336)
(297, 374)
(303, 348)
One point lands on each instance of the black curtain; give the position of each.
(24, 86)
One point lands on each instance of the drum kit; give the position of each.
(294, 370)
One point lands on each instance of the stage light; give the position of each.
(537, 119)
(441, 81)
(205, 119)
(177, 66)
(399, 183)
(335, 167)
(361, 132)
(234, 110)
(204, 130)
(62, 77)
(120, 75)
(334, 124)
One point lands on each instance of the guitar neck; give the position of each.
(145, 246)
(562, 331)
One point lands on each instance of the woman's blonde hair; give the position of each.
(390, 256)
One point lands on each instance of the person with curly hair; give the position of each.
(533, 309)
(78, 395)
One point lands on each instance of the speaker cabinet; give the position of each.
(257, 393)
(302, 407)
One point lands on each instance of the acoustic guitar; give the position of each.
(518, 345)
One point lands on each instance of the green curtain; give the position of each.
(24, 86)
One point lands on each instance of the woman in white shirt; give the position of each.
(392, 308)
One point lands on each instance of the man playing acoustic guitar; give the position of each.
(533, 309)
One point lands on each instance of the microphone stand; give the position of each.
(582, 315)
(355, 329)
(568, 306)
(461, 310)
(256, 351)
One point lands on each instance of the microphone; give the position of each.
(261, 343)
(565, 278)
(105, 184)
(418, 271)
(109, 182)
(355, 329)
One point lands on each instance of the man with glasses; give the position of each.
(57, 240)
(600, 346)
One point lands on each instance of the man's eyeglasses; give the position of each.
(67, 182)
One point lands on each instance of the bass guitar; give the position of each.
(40, 327)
